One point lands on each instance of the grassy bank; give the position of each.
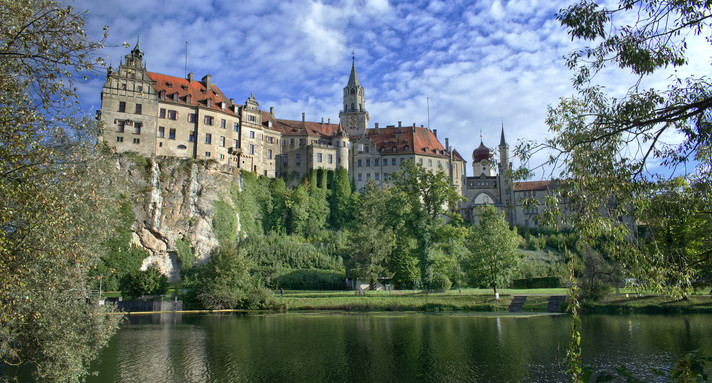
(402, 300)
(649, 304)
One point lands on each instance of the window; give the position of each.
(191, 137)
(430, 162)
(269, 153)
(207, 154)
(208, 138)
(136, 141)
(161, 131)
(235, 126)
(208, 120)
(375, 162)
(368, 162)
(172, 115)
(330, 159)
(223, 123)
(297, 159)
(368, 176)
(439, 164)
(192, 117)
(360, 147)
(270, 140)
(137, 128)
(393, 161)
(120, 126)
(222, 156)
(222, 141)
(122, 106)
(360, 177)
(394, 149)
(172, 134)
(188, 99)
(162, 113)
(119, 139)
(162, 94)
(291, 142)
(251, 118)
(252, 134)
(234, 143)
(138, 108)
(302, 142)
(252, 149)
(285, 159)
(385, 176)
(359, 163)
(368, 149)
(377, 176)
(140, 89)
(318, 157)
(420, 161)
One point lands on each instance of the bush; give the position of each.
(138, 283)
(440, 283)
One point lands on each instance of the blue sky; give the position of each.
(481, 63)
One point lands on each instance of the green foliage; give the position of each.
(224, 222)
(138, 283)
(226, 283)
(536, 283)
(310, 279)
(492, 245)
(423, 200)
(185, 254)
(341, 201)
(58, 195)
(247, 204)
(606, 149)
(441, 283)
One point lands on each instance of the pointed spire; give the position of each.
(502, 142)
(137, 48)
(353, 78)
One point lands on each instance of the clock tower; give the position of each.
(354, 117)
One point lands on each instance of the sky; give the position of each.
(465, 68)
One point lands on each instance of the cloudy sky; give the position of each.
(480, 63)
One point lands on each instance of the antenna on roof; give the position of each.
(428, 99)
(186, 59)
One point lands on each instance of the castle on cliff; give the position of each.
(154, 114)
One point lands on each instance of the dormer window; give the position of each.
(189, 99)
(395, 149)
(406, 148)
(175, 97)
(209, 103)
(222, 105)
(162, 94)
(383, 149)
(168, 84)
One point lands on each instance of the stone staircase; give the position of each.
(554, 304)
(517, 302)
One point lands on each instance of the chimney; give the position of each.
(376, 127)
(190, 77)
(446, 143)
(435, 132)
(414, 125)
(271, 110)
(322, 120)
(328, 121)
(303, 119)
(232, 100)
(206, 81)
(399, 124)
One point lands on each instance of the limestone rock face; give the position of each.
(174, 200)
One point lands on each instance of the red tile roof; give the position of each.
(292, 127)
(531, 185)
(408, 139)
(198, 92)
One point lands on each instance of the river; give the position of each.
(389, 347)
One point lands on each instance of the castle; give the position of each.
(153, 114)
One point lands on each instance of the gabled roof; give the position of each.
(531, 185)
(408, 139)
(294, 128)
(198, 92)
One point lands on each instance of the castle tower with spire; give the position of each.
(354, 117)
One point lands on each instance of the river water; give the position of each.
(389, 347)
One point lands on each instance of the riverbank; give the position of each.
(649, 304)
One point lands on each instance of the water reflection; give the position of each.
(383, 347)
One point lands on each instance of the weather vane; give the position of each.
(353, 56)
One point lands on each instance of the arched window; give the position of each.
(353, 106)
(360, 107)
(353, 91)
(395, 149)
(406, 148)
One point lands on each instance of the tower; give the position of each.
(354, 117)
(503, 154)
(506, 194)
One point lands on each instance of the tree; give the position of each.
(341, 200)
(371, 242)
(493, 249)
(144, 282)
(604, 147)
(427, 201)
(58, 195)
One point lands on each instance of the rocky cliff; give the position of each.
(173, 202)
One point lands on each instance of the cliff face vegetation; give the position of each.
(174, 204)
